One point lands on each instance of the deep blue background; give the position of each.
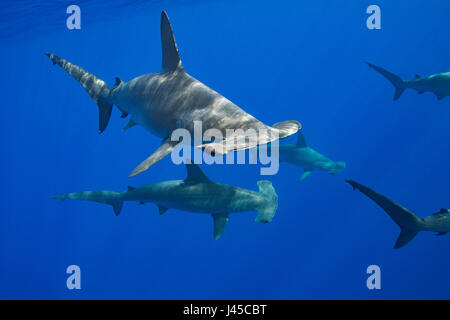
(278, 60)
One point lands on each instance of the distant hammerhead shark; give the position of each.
(439, 83)
(195, 194)
(301, 155)
(172, 99)
(409, 223)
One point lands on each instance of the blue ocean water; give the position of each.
(278, 60)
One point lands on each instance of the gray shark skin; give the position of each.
(195, 194)
(171, 99)
(409, 223)
(439, 83)
(301, 155)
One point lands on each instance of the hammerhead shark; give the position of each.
(301, 155)
(439, 83)
(409, 223)
(172, 99)
(197, 194)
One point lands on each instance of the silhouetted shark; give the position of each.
(409, 223)
(195, 194)
(438, 83)
(171, 99)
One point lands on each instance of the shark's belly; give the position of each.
(198, 197)
(436, 83)
(437, 223)
(164, 102)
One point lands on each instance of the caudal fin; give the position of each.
(105, 197)
(409, 223)
(267, 211)
(97, 88)
(398, 82)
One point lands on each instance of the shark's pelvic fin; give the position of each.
(130, 124)
(398, 82)
(164, 149)
(118, 83)
(195, 174)
(220, 222)
(97, 88)
(170, 57)
(301, 141)
(162, 209)
(440, 95)
(405, 219)
(306, 174)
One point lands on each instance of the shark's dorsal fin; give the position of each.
(195, 174)
(170, 57)
(417, 76)
(130, 188)
(301, 141)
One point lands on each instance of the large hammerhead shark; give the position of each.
(195, 194)
(171, 99)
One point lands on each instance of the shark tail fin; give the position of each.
(97, 88)
(405, 237)
(267, 210)
(409, 223)
(398, 82)
(105, 197)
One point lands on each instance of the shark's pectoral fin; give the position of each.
(162, 209)
(220, 222)
(441, 233)
(306, 174)
(440, 95)
(164, 149)
(117, 207)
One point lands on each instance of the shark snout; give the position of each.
(337, 167)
